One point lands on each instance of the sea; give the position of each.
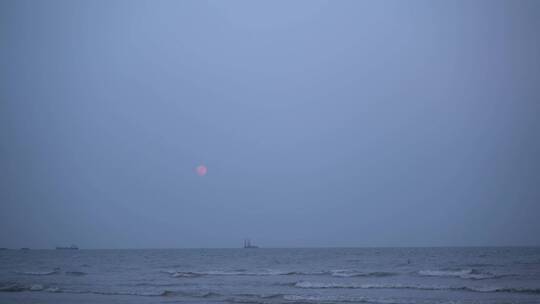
(301, 275)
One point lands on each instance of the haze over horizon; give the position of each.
(319, 124)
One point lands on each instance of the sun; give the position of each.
(201, 170)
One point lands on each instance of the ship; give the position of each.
(248, 245)
(72, 247)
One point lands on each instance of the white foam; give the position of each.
(342, 299)
(268, 272)
(346, 273)
(463, 273)
(445, 273)
(321, 285)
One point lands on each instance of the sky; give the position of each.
(320, 123)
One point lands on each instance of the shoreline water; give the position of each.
(273, 275)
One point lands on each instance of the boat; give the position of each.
(248, 245)
(72, 247)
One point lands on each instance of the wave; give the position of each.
(76, 273)
(350, 273)
(47, 273)
(487, 289)
(17, 287)
(481, 265)
(163, 293)
(192, 274)
(504, 289)
(36, 287)
(154, 285)
(323, 285)
(180, 274)
(310, 298)
(335, 273)
(338, 299)
(12, 287)
(258, 296)
(37, 273)
(112, 293)
(472, 274)
(118, 293)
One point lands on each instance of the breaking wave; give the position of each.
(338, 299)
(48, 273)
(350, 273)
(128, 293)
(310, 298)
(472, 274)
(191, 274)
(163, 293)
(12, 287)
(335, 273)
(37, 273)
(17, 287)
(320, 285)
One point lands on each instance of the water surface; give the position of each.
(329, 275)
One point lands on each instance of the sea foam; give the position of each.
(486, 289)
(462, 273)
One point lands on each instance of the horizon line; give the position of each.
(272, 247)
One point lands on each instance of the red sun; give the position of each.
(201, 170)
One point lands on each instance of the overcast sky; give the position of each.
(340, 123)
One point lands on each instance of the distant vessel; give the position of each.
(25, 248)
(247, 244)
(72, 247)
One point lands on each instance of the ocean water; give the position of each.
(330, 275)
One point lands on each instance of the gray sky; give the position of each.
(343, 123)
